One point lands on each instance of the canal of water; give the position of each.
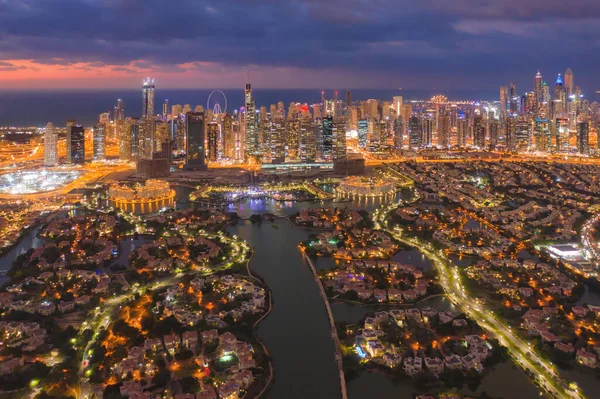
(296, 332)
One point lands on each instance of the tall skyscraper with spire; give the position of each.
(560, 98)
(569, 88)
(538, 81)
(148, 98)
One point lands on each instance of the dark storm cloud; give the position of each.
(480, 39)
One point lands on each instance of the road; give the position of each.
(546, 375)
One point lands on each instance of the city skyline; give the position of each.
(300, 44)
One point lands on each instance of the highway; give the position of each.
(546, 375)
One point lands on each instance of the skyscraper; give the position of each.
(503, 98)
(195, 141)
(569, 82)
(119, 113)
(414, 132)
(165, 110)
(99, 141)
(148, 98)
(560, 98)
(252, 142)
(213, 140)
(514, 99)
(50, 146)
(77, 144)
(327, 139)
(537, 90)
(339, 139)
(363, 126)
(70, 124)
(478, 131)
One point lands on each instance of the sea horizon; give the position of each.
(36, 108)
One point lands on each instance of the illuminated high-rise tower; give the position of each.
(196, 157)
(99, 141)
(252, 142)
(119, 113)
(148, 98)
(537, 89)
(70, 124)
(514, 99)
(560, 98)
(77, 144)
(50, 146)
(569, 82)
(165, 110)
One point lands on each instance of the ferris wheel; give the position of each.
(217, 102)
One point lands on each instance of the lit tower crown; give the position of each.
(148, 98)
(559, 80)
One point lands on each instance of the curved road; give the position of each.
(546, 375)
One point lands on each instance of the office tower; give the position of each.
(510, 132)
(377, 140)
(444, 131)
(161, 135)
(99, 142)
(503, 98)
(165, 110)
(227, 133)
(70, 124)
(494, 132)
(522, 136)
(212, 133)
(398, 133)
(406, 113)
(148, 98)
(543, 138)
(514, 99)
(50, 146)
(371, 109)
(348, 98)
(186, 108)
(195, 141)
(478, 131)
(569, 82)
(462, 127)
(278, 140)
(560, 98)
(252, 144)
(147, 138)
(428, 122)
(308, 140)
(77, 145)
(327, 139)
(562, 134)
(397, 104)
(583, 136)
(414, 132)
(537, 90)
(125, 139)
(363, 125)
(339, 139)
(119, 111)
(137, 131)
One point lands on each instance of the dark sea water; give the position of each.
(31, 108)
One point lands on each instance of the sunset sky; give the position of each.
(451, 44)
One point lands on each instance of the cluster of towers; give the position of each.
(542, 120)
(548, 120)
